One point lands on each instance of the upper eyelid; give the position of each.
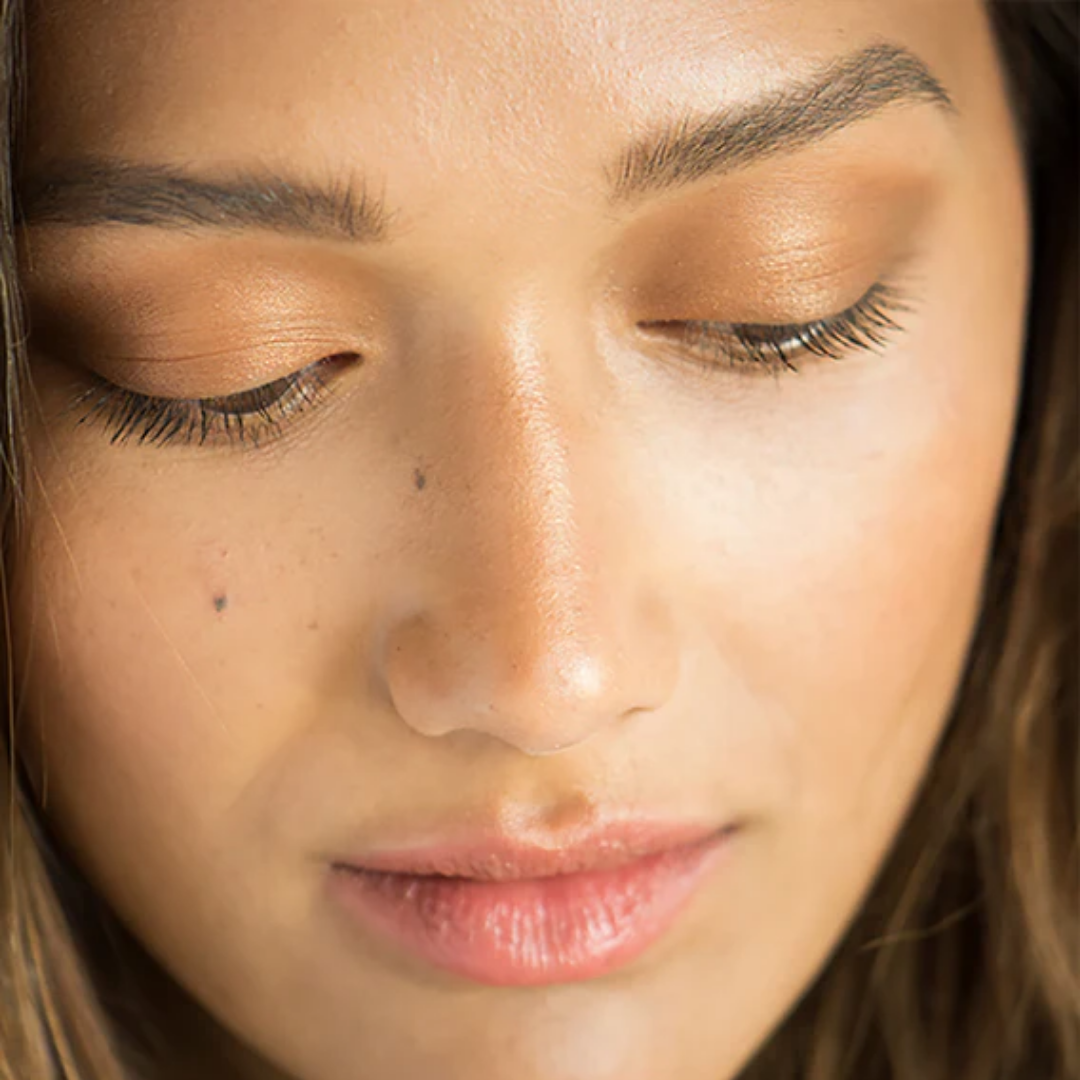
(288, 381)
(864, 325)
(891, 295)
(131, 416)
(159, 420)
(887, 297)
(884, 290)
(315, 343)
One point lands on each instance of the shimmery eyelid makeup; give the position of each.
(249, 417)
(252, 417)
(865, 326)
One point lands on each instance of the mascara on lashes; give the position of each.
(252, 416)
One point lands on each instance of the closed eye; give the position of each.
(866, 325)
(249, 416)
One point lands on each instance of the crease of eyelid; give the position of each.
(47, 341)
(326, 348)
(886, 292)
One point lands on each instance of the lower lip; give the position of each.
(533, 932)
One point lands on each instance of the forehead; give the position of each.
(439, 87)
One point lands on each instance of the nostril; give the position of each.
(540, 693)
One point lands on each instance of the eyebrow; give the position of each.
(100, 191)
(103, 191)
(840, 94)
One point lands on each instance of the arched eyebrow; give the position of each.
(843, 92)
(101, 191)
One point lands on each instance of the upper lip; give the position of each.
(497, 856)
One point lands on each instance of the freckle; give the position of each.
(221, 602)
(314, 625)
(419, 479)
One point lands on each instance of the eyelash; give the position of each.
(246, 417)
(252, 415)
(866, 325)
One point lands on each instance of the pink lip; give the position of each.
(508, 914)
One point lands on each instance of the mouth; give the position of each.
(503, 913)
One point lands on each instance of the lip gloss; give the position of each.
(530, 931)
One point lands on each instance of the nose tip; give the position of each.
(535, 615)
(539, 688)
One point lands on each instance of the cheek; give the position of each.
(841, 522)
(139, 621)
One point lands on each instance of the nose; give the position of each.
(537, 621)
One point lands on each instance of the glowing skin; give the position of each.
(526, 564)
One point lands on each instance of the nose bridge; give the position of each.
(528, 602)
(526, 481)
(531, 632)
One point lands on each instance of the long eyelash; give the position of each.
(866, 325)
(246, 417)
(253, 414)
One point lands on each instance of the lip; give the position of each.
(502, 912)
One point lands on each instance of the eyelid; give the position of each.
(169, 372)
(247, 417)
(865, 325)
(257, 412)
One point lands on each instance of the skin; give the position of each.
(525, 564)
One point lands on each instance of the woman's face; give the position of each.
(639, 384)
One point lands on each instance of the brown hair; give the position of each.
(964, 962)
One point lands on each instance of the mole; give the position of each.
(419, 479)
(221, 602)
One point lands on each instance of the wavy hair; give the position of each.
(964, 961)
